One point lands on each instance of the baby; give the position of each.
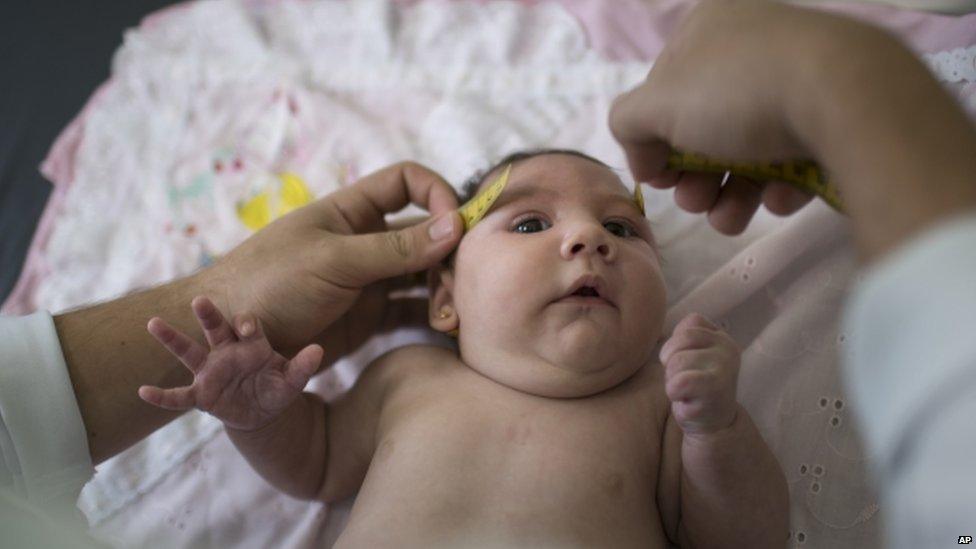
(554, 426)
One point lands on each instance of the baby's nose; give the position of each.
(588, 240)
(602, 249)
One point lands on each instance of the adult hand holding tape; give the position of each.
(758, 84)
(338, 292)
(698, 99)
(718, 90)
(320, 274)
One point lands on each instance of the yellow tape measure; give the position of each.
(804, 174)
(476, 208)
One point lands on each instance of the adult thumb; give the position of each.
(375, 256)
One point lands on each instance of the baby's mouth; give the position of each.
(587, 291)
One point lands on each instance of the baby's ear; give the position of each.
(440, 285)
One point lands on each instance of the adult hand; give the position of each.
(316, 274)
(748, 80)
(717, 89)
(324, 272)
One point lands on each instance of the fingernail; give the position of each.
(246, 328)
(442, 228)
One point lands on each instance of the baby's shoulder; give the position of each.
(420, 355)
(413, 361)
(405, 373)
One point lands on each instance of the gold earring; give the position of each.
(445, 314)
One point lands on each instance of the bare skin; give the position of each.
(297, 275)
(898, 145)
(442, 456)
(571, 434)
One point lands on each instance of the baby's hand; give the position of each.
(241, 380)
(701, 370)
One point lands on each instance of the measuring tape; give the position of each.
(475, 209)
(803, 174)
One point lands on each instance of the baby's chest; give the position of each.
(494, 446)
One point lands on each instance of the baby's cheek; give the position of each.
(486, 301)
(648, 306)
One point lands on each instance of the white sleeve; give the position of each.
(43, 445)
(911, 369)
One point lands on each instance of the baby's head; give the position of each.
(562, 217)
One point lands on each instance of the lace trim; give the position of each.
(953, 65)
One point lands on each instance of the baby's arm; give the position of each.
(293, 439)
(719, 485)
(316, 450)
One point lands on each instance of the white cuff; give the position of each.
(43, 444)
(912, 334)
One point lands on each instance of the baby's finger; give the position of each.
(686, 411)
(692, 320)
(190, 353)
(737, 202)
(303, 366)
(179, 399)
(687, 386)
(695, 320)
(688, 339)
(215, 327)
(697, 192)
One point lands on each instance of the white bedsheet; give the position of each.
(215, 103)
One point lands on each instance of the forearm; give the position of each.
(290, 452)
(109, 354)
(733, 490)
(901, 149)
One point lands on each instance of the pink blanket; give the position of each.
(215, 108)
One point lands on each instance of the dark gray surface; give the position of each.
(53, 55)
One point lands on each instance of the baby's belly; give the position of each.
(490, 475)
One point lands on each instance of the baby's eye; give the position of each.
(534, 224)
(623, 230)
(530, 225)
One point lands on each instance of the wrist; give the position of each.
(824, 69)
(719, 430)
(211, 282)
(109, 354)
(266, 429)
(232, 292)
(886, 132)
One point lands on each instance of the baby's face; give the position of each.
(560, 218)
